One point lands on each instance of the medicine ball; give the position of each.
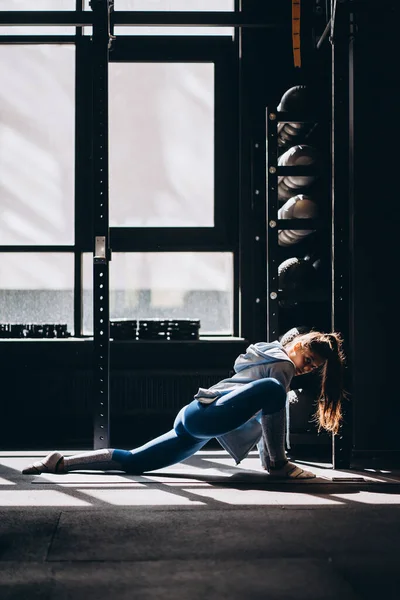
(298, 207)
(296, 277)
(300, 155)
(297, 99)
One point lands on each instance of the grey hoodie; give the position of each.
(263, 359)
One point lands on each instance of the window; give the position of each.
(37, 5)
(184, 285)
(175, 5)
(161, 136)
(37, 107)
(172, 178)
(172, 5)
(37, 288)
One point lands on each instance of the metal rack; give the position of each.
(273, 223)
(342, 201)
(273, 117)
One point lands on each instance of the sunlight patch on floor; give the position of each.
(263, 497)
(370, 497)
(139, 497)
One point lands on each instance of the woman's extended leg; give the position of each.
(167, 449)
(194, 426)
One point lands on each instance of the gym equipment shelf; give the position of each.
(274, 294)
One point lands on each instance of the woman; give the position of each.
(244, 410)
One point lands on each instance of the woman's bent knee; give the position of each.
(275, 394)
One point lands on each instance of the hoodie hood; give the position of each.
(260, 354)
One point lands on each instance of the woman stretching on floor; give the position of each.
(244, 410)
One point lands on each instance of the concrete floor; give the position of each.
(200, 530)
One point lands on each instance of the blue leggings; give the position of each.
(198, 423)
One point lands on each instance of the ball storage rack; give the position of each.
(341, 168)
(273, 117)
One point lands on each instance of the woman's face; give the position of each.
(304, 360)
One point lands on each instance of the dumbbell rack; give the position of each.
(273, 117)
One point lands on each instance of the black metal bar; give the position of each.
(301, 224)
(234, 140)
(245, 267)
(293, 117)
(341, 190)
(276, 19)
(153, 239)
(79, 7)
(45, 17)
(298, 170)
(306, 296)
(272, 229)
(78, 297)
(36, 39)
(257, 237)
(168, 48)
(37, 248)
(101, 247)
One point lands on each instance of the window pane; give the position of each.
(182, 5)
(36, 30)
(165, 5)
(143, 30)
(184, 285)
(37, 288)
(161, 144)
(175, 5)
(37, 5)
(37, 108)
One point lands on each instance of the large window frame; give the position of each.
(223, 236)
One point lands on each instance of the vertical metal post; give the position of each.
(258, 227)
(272, 229)
(252, 237)
(102, 253)
(341, 209)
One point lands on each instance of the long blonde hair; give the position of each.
(328, 346)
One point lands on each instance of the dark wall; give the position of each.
(47, 388)
(47, 391)
(376, 227)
